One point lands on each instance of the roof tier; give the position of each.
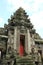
(20, 18)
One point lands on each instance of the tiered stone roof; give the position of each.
(20, 18)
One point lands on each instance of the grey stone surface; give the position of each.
(19, 24)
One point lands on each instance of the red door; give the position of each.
(22, 42)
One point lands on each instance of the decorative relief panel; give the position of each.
(22, 29)
(12, 40)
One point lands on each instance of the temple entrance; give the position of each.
(22, 45)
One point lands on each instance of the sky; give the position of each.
(34, 9)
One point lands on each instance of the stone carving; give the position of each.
(19, 24)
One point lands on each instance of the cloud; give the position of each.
(37, 20)
(15, 4)
(33, 8)
(1, 19)
(32, 5)
(1, 22)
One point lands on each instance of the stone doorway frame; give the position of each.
(22, 43)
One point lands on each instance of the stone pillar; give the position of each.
(15, 39)
(29, 41)
(18, 40)
(8, 43)
(33, 44)
(9, 37)
(33, 39)
(26, 43)
(0, 54)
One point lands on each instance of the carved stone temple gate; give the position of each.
(19, 44)
(20, 40)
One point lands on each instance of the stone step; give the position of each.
(25, 63)
(28, 57)
(25, 60)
